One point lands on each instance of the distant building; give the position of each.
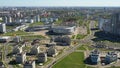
(7, 19)
(17, 49)
(52, 51)
(31, 21)
(21, 58)
(2, 28)
(21, 27)
(111, 57)
(29, 64)
(35, 50)
(42, 57)
(94, 56)
(37, 18)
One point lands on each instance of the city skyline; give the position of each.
(49, 3)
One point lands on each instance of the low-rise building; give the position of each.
(17, 49)
(52, 51)
(111, 57)
(21, 58)
(29, 64)
(94, 56)
(17, 39)
(42, 57)
(5, 39)
(51, 44)
(35, 50)
(62, 40)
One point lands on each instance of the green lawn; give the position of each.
(16, 33)
(32, 37)
(90, 67)
(10, 27)
(58, 22)
(1, 20)
(81, 48)
(36, 24)
(74, 60)
(79, 36)
(113, 67)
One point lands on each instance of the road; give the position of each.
(6, 60)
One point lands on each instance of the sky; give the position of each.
(112, 3)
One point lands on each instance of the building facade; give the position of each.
(111, 25)
(2, 28)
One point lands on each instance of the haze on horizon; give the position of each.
(111, 3)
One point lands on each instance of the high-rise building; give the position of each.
(115, 20)
(111, 25)
(37, 18)
(2, 28)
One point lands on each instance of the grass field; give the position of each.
(36, 24)
(32, 37)
(81, 48)
(113, 67)
(16, 33)
(74, 60)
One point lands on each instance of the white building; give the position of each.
(17, 39)
(42, 57)
(5, 38)
(29, 64)
(21, 58)
(17, 50)
(63, 29)
(2, 28)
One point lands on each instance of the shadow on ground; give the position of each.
(102, 36)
